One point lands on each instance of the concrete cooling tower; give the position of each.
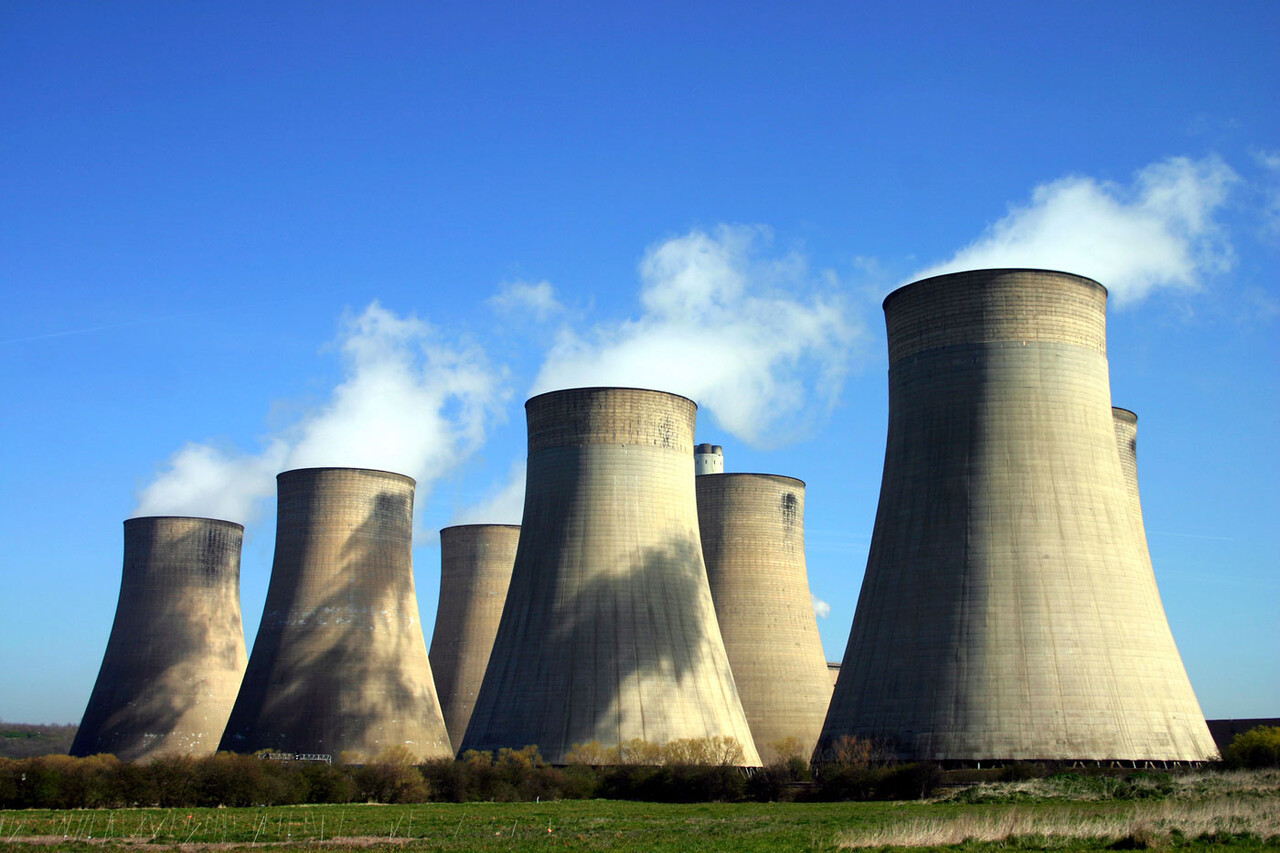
(339, 666)
(1008, 610)
(752, 528)
(176, 652)
(475, 569)
(609, 633)
(1126, 425)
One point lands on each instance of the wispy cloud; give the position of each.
(1269, 161)
(759, 342)
(820, 608)
(410, 402)
(536, 300)
(1157, 232)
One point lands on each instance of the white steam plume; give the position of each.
(820, 608)
(410, 402)
(723, 327)
(1158, 232)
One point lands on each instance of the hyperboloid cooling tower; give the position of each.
(1008, 610)
(475, 569)
(176, 652)
(339, 666)
(609, 633)
(752, 528)
(1126, 425)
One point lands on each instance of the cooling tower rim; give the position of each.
(1124, 414)
(933, 278)
(609, 388)
(298, 471)
(702, 477)
(134, 518)
(479, 525)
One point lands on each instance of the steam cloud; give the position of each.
(723, 327)
(1158, 232)
(820, 608)
(410, 402)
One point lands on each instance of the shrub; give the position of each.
(895, 782)
(1259, 747)
(391, 777)
(1021, 771)
(325, 783)
(851, 751)
(910, 782)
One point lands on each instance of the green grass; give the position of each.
(611, 825)
(590, 824)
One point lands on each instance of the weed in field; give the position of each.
(1136, 826)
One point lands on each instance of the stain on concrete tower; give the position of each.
(176, 653)
(339, 666)
(475, 569)
(609, 633)
(1007, 610)
(752, 528)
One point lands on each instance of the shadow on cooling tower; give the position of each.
(343, 669)
(348, 685)
(176, 650)
(616, 688)
(609, 633)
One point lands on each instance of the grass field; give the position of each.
(1209, 812)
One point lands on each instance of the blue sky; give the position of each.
(241, 237)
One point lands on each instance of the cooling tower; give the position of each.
(1126, 426)
(339, 666)
(176, 652)
(609, 633)
(752, 528)
(1008, 610)
(475, 569)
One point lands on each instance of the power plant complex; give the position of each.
(1008, 611)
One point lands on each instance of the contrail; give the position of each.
(84, 331)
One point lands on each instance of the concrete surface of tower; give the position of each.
(176, 652)
(339, 666)
(1007, 610)
(609, 633)
(475, 569)
(752, 529)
